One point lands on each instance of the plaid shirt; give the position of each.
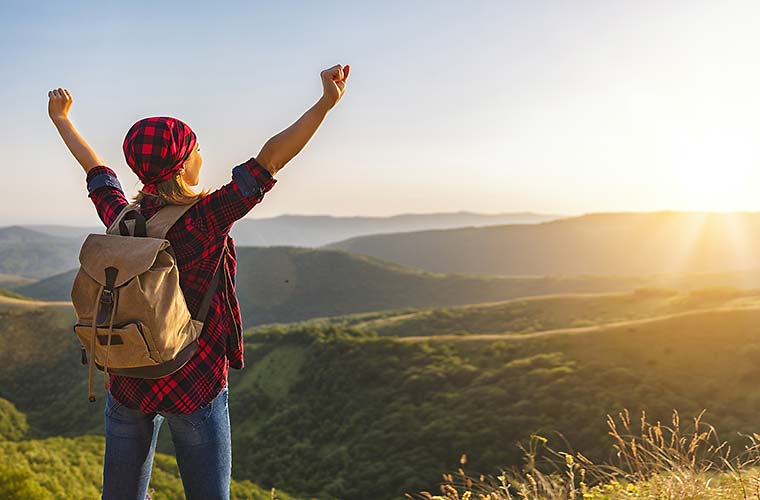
(198, 241)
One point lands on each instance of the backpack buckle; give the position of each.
(107, 295)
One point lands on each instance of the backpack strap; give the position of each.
(206, 302)
(114, 227)
(158, 225)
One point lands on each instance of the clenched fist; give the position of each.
(334, 83)
(59, 103)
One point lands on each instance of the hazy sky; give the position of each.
(548, 106)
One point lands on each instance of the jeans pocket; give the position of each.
(199, 416)
(111, 404)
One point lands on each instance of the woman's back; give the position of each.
(198, 240)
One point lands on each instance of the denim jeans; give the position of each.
(202, 446)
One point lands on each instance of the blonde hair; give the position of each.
(174, 191)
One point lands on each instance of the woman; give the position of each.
(164, 153)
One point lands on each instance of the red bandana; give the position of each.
(156, 148)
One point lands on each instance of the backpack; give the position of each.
(132, 318)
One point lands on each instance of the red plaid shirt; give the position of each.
(198, 241)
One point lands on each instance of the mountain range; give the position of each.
(598, 244)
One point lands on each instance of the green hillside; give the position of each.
(389, 416)
(40, 370)
(72, 468)
(358, 415)
(533, 314)
(599, 244)
(56, 287)
(13, 424)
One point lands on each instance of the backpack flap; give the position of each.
(129, 255)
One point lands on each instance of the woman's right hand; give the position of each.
(334, 84)
(59, 103)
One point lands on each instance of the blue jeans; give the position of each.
(202, 446)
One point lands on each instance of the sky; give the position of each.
(543, 106)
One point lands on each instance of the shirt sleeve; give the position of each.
(219, 209)
(105, 191)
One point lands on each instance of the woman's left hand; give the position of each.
(59, 104)
(334, 84)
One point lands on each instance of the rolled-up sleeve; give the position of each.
(101, 176)
(221, 208)
(106, 193)
(250, 180)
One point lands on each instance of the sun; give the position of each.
(715, 175)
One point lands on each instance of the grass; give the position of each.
(650, 461)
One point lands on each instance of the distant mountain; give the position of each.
(32, 254)
(317, 230)
(599, 244)
(282, 284)
(71, 232)
(43, 250)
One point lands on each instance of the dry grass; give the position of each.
(656, 461)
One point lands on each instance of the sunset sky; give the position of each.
(545, 106)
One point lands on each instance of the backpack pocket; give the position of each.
(131, 345)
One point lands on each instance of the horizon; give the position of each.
(557, 217)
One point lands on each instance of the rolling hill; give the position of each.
(532, 314)
(31, 254)
(282, 284)
(598, 244)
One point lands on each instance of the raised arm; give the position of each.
(219, 210)
(281, 148)
(58, 108)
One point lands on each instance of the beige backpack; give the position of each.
(132, 318)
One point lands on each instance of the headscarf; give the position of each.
(156, 147)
